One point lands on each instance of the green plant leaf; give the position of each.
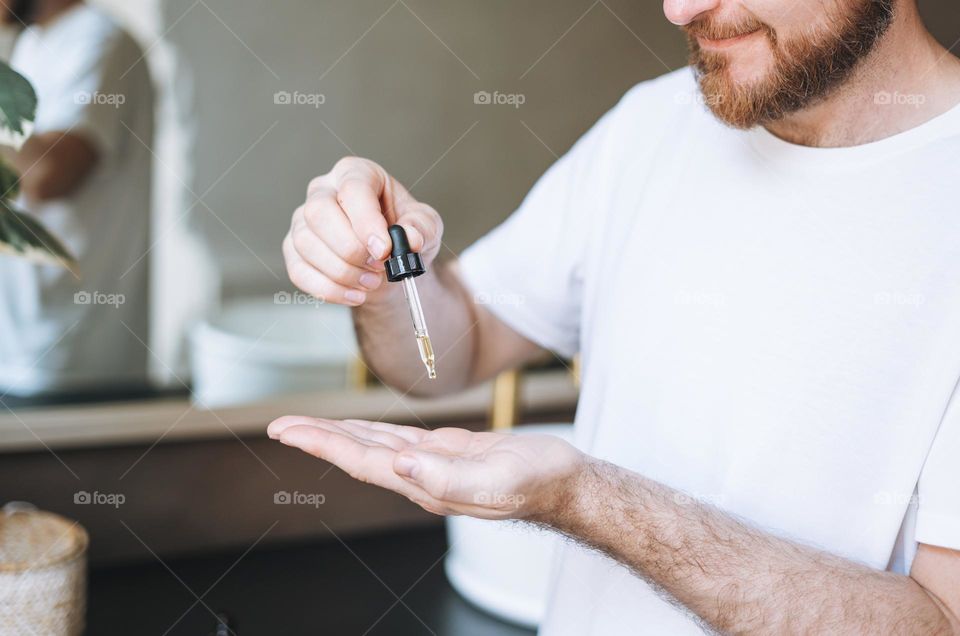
(23, 235)
(9, 182)
(18, 101)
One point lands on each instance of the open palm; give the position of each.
(447, 470)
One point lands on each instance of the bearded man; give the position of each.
(758, 258)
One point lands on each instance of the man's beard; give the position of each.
(21, 11)
(805, 69)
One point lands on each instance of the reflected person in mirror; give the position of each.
(85, 172)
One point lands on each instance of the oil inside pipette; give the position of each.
(426, 354)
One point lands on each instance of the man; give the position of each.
(85, 172)
(768, 314)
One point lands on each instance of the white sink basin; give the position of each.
(260, 347)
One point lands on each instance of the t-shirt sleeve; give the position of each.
(90, 93)
(938, 509)
(529, 270)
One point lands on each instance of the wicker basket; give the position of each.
(42, 573)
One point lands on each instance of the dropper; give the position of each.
(404, 265)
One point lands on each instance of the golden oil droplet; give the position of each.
(426, 354)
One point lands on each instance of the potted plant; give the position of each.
(21, 234)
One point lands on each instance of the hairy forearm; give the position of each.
(386, 337)
(734, 577)
(53, 165)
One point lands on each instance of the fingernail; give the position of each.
(374, 262)
(406, 466)
(355, 296)
(376, 246)
(370, 280)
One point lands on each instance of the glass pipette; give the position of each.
(404, 265)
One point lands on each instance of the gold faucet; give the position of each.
(505, 408)
(507, 391)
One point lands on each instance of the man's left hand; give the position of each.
(448, 471)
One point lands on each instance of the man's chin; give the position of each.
(747, 74)
(738, 94)
(734, 105)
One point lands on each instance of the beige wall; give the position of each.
(399, 96)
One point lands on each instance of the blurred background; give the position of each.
(467, 103)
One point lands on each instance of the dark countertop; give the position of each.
(326, 588)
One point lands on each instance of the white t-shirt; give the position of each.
(770, 328)
(58, 332)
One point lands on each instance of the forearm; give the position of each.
(736, 578)
(53, 165)
(386, 337)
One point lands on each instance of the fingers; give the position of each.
(323, 217)
(385, 455)
(411, 434)
(335, 447)
(422, 225)
(312, 249)
(446, 478)
(447, 440)
(338, 238)
(371, 464)
(371, 436)
(312, 281)
(369, 433)
(359, 185)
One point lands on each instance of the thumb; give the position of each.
(443, 478)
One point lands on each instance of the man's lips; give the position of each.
(723, 43)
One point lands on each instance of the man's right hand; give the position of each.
(338, 238)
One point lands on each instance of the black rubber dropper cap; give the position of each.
(403, 263)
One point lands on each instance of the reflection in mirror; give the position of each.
(84, 172)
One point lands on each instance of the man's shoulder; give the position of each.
(668, 103)
(671, 88)
(89, 31)
(674, 93)
(92, 21)
(654, 111)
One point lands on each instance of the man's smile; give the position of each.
(726, 42)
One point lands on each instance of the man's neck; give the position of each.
(908, 79)
(50, 10)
